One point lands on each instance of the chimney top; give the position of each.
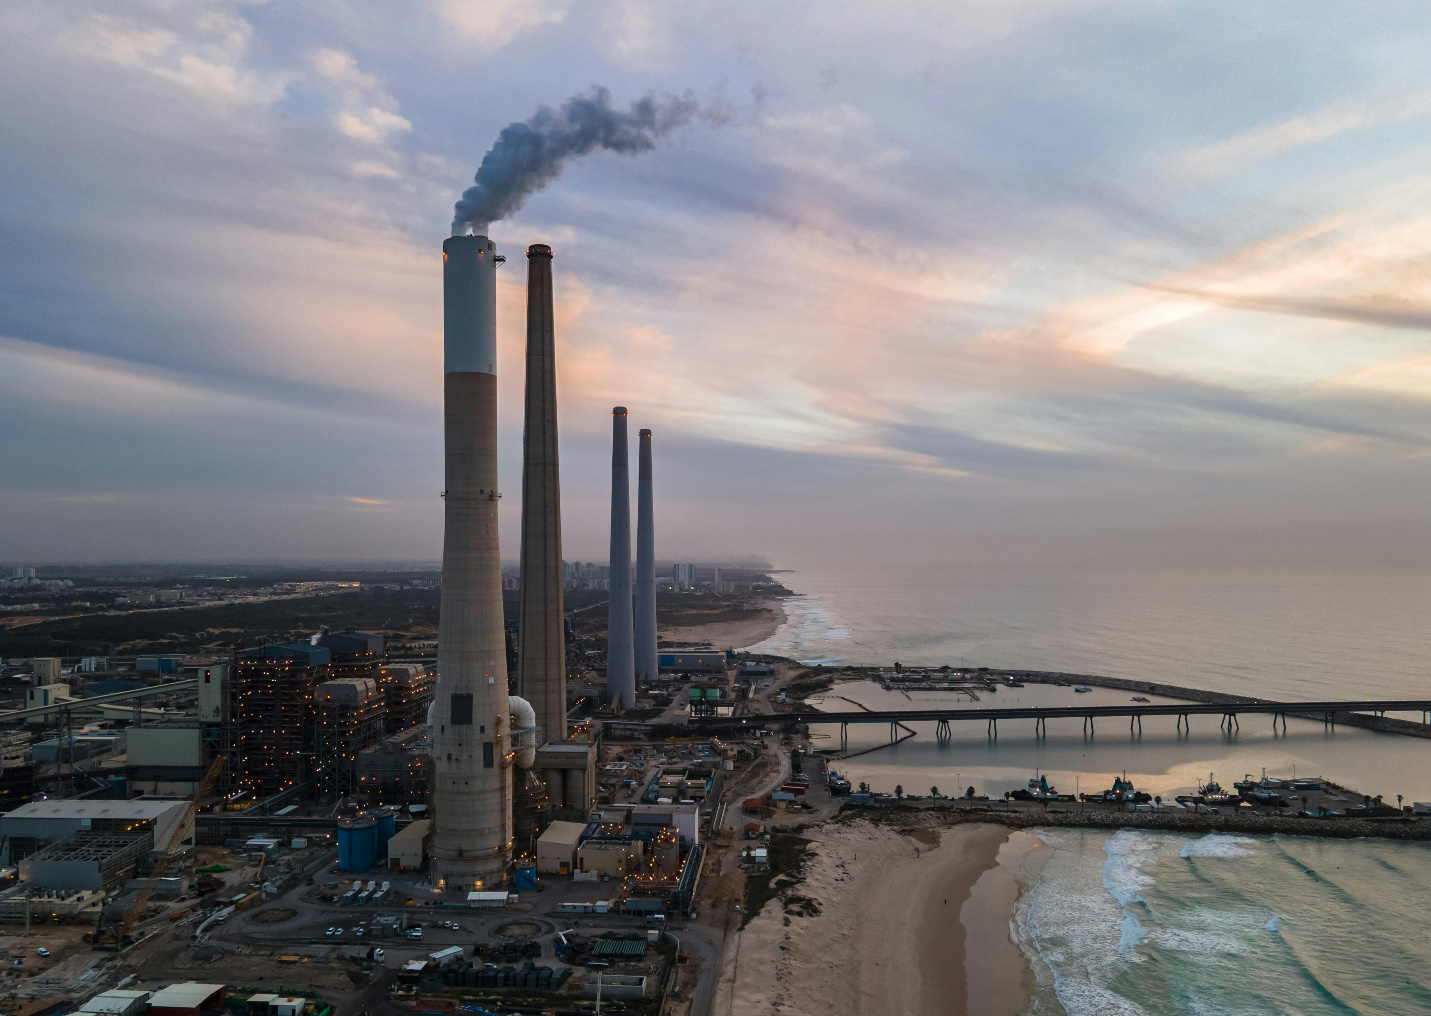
(645, 433)
(619, 411)
(539, 250)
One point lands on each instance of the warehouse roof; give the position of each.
(188, 995)
(139, 808)
(562, 834)
(412, 831)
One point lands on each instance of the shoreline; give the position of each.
(840, 938)
(725, 633)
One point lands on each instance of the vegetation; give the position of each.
(789, 853)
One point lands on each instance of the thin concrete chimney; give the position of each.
(542, 636)
(645, 620)
(620, 665)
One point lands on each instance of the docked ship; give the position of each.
(1213, 795)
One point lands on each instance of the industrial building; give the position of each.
(349, 716)
(165, 758)
(694, 660)
(36, 825)
(117, 1002)
(187, 999)
(407, 849)
(407, 690)
(556, 848)
(275, 714)
(569, 771)
(87, 860)
(395, 769)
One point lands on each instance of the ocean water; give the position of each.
(1156, 923)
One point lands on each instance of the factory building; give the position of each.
(275, 713)
(87, 860)
(569, 771)
(36, 825)
(693, 660)
(407, 849)
(187, 999)
(407, 690)
(165, 758)
(556, 848)
(394, 770)
(349, 716)
(354, 653)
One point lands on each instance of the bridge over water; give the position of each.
(1327, 711)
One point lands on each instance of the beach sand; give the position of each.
(730, 634)
(901, 929)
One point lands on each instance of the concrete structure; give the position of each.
(569, 771)
(612, 857)
(542, 638)
(644, 623)
(471, 793)
(165, 758)
(408, 847)
(684, 576)
(620, 651)
(187, 999)
(556, 848)
(46, 670)
(33, 826)
(40, 695)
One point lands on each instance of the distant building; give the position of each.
(46, 670)
(685, 577)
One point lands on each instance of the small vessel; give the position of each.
(1213, 795)
(1082, 688)
(1121, 792)
(1141, 698)
(1039, 789)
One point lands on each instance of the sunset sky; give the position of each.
(991, 283)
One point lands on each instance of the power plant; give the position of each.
(645, 622)
(471, 790)
(620, 661)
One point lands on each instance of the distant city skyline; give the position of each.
(984, 283)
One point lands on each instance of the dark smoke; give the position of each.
(531, 154)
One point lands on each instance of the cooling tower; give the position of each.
(542, 636)
(620, 664)
(471, 791)
(645, 620)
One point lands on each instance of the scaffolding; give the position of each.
(87, 860)
(274, 686)
(407, 690)
(349, 717)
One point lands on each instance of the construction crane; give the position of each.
(116, 933)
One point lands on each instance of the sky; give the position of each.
(982, 283)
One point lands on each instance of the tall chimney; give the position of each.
(542, 638)
(471, 790)
(645, 622)
(620, 667)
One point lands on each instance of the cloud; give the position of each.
(492, 24)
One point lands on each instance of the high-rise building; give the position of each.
(684, 576)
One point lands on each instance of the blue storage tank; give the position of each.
(358, 844)
(387, 825)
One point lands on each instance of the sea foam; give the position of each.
(1218, 845)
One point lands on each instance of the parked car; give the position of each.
(43, 951)
(331, 931)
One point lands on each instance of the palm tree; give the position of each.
(1158, 800)
(899, 792)
(934, 792)
(864, 787)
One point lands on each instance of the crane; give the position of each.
(171, 851)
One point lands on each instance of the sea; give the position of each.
(1138, 922)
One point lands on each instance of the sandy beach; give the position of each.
(736, 633)
(909, 922)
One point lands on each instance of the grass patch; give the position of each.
(789, 853)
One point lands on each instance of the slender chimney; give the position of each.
(620, 667)
(542, 638)
(645, 621)
(471, 790)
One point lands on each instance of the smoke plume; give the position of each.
(530, 154)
